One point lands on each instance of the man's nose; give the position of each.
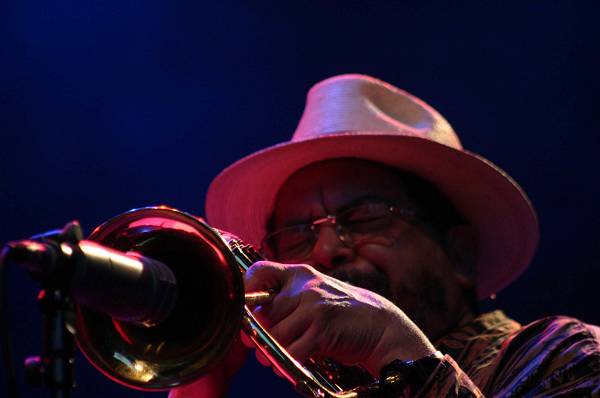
(329, 250)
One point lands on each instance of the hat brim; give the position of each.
(241, 198)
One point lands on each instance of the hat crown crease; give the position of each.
(360, 103)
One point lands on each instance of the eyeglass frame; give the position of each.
(407, 214)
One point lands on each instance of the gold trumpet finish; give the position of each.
(211, 309)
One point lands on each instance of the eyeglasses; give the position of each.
(354, 224)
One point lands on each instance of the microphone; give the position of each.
(126, 286)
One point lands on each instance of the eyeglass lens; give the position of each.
(296, 242)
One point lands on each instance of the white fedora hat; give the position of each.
(358, 116)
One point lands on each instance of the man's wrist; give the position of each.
(401, 378)
(404, 341)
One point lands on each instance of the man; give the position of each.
(386, 233)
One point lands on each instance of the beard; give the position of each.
(426, 306)
(424, 303)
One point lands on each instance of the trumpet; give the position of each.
(210, 310)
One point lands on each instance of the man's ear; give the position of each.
(461, 246)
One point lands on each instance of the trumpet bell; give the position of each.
(207, 315)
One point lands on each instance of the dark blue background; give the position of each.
(106, 106)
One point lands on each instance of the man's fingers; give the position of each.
(292, 327)
(246, 340)
(289, 317)
(305, 346)
(282, 306)
(288, 280)
(269, 275)
(265, 275)
(262, 359)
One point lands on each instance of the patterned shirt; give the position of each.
(494, 356)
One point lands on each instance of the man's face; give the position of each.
(402, 262)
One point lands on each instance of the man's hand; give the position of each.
(315, 315)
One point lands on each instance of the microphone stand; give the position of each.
(54, 368)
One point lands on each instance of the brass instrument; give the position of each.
(210, 310)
